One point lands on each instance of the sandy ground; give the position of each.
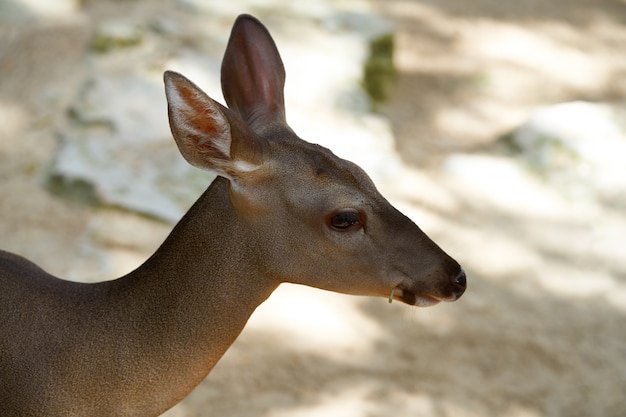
(540, 331)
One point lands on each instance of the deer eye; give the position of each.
(345, 220)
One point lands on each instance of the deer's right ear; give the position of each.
(253, 75)
(209, 135)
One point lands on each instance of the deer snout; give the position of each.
(414, 292)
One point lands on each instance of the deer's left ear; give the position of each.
(209, 135)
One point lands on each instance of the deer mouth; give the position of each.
(413, 298)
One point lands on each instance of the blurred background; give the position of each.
(499, 127)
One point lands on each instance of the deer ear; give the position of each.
(253, 75)
(209, 135)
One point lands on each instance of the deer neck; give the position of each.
(196, 293)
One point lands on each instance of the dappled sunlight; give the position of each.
(573, 282)
(550, 238)
(367, 399)
(505, 185)
(316, 321)
(13, 119)
(469, 72)
(419, 188)
(531, 50)
(42, 9)
(349, 402)
(533, 230)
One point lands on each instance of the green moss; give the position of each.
(379, 72)
(114, 35)
(73, 189)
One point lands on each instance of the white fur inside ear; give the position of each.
(183, 113)
(243, 166)
(223, 139)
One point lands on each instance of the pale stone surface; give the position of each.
(579, 147)
(119, 150)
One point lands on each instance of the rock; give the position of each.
(16, 12)
(378, 68)
(116, 33)
(578, 146)
(164, 25)
(119, 150)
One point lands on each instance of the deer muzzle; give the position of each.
(451, 290)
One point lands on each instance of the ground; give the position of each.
(540, 331)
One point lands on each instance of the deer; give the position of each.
(280, 210)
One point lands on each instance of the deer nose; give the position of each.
(459, 284)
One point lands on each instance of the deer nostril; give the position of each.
(461, 279)
(460, 283)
